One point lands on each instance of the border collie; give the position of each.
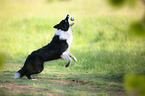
(58, 48)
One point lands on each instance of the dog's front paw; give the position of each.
(68, 64)
(75, 59)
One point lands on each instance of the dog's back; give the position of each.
(53, 50)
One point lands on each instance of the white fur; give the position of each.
(65, 35)
(17, 75)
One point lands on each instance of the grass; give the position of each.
(102, 45)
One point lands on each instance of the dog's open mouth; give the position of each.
(70, 24)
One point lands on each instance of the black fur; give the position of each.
(63, 25)
(34, 63)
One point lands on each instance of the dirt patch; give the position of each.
(54, 81)
(22, 89)
(95, 88)
(118, 92)
(92, 87)
(80, 82)
(114, 92)
(61, 83)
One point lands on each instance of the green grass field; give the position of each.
(105, 51)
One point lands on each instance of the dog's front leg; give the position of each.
(73, 57)
(66, 57)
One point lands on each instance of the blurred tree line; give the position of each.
(137, 28)
(134, 82)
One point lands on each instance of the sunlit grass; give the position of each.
(102, 45)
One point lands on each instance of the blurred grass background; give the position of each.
(104, 41)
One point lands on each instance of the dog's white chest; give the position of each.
(65, 35)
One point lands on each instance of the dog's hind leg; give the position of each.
(34, 71)
(68, 64)
(28, 75)
(66, 57)
(37, 70)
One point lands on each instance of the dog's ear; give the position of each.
(57, 26)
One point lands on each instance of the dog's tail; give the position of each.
(17, 75)
(20, 73)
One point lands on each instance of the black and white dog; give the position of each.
(58, 48)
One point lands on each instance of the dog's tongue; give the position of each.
(71, 24)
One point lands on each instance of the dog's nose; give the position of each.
(67, 15)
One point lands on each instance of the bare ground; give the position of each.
(25, 90)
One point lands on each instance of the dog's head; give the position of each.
(64, 24)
